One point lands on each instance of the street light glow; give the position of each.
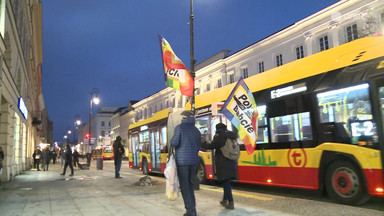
(96, 100)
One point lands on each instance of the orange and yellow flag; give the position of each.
(176, 74)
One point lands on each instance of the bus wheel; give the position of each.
(201, 173)
(145, 167)
(345, 184)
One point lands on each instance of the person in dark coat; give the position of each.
(226, 169)
(46, 158)
(37, 155)
(118, 151)
(67, 154)
(75, 158)
(54, 156)
(187, 142)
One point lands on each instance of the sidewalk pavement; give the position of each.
(96, 192)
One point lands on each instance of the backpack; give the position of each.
(231, 150)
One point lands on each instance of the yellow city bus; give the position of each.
(320, 125)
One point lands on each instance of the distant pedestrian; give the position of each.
(226, 169)
(46, 158)
(118, 151)
(187, 141)
(68, 160)
(76, 158)
(54, 156)
(37, 155)
(62, 156)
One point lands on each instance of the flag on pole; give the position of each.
(240, 108)
(176, 74)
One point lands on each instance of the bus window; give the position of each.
(349, 109)
(163, 147)
(202, 123)
(344, 105)
(294, 127)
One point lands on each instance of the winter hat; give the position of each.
(187, 113)
(221, 126)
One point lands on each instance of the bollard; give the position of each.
(99, 163)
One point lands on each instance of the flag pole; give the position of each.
(192, 69)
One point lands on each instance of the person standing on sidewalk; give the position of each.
(62, 156)
(46, 158)
(226, 169)
(68, 160)
(187, 141)
(118, 151)
(76, 158)
(54, 155)
(37, 155)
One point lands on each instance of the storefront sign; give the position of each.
(23, 108)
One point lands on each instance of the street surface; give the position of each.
(96, 192)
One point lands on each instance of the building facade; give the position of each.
(24, 122)
(337, 24)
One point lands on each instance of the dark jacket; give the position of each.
(68, 155)
(225, 168)
(118, 149)
(37, 155)
(46, 156)
(187, 141)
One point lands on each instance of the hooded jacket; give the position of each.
(225, 168)
(187, 141)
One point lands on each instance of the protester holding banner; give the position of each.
(226, 169)
(187, 142)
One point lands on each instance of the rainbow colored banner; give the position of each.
(176, 74)
(240, 108)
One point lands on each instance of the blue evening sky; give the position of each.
(113, 45)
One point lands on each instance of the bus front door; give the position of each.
(155, 150)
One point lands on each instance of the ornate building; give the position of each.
(24, 122)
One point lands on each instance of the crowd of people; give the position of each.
(186, 141)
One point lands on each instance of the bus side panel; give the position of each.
(305, 178)
(206, 157)
(374, 180)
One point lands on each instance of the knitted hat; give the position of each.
(187, 113)
(221, 126)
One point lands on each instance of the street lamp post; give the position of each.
(192, 52)
(96, 100)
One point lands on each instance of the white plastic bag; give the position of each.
(172, 183)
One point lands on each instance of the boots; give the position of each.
(230, 205)
(223, 203)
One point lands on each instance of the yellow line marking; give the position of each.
(239, 194)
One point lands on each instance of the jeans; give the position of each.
(118, 166)
(185, 174)
(66, 165)
(227, 190)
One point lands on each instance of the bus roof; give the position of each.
(162, 114)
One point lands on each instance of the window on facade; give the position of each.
(245, 72)
(324, 45)
(261, 67)
(103, 123)
(102, 133)
(352, 32)
(219, 84)
(279, 60)
(231, 78)
(197, 91)
(299, 52)
(382, 22)
(293, 127)
(208, 87)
